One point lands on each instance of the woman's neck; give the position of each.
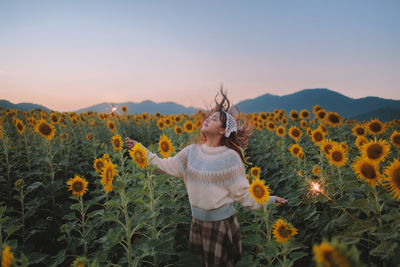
(213, 142)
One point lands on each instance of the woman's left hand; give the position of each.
(280, 200)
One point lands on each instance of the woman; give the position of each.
(214, 176)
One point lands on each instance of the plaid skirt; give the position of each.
(216, 243)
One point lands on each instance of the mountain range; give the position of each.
(358, 109)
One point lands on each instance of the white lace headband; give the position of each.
(231, 125)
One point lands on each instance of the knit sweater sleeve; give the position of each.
(239, 191)
(174, 166)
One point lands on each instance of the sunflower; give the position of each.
(54, 118)
(294, 115)
(376, 127)
(255, 172)
(392, 179)
(316, 170)
(145, 116)
(285, 121)
(296, 150)
(7, 257)
(78, 185)
(326, 254)
(139, 155)
(117, 142)
(375, 150)
(98, 165)
(111, 125)
(316, 108)
(344, 145)
(178, 130)
(304, 114)
(321, 114)
(367, 170)
(333, 119)
(44, 129)
(20, 126)
(337, 156)
(188, 126)
(280, 131)
(295, 133)
(259, 191)
(271, 126)
(360, 141)
(89, 136)
(165, 146)
(283, 231)
(108, 173)
(326, 146)
(359, 130)
(317, 136)
(395, 138)
(124, 109)
(161, 124)
(303, 124)
(168, 121)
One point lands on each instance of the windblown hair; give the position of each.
(237, 140)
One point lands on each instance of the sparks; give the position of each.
(316, 188)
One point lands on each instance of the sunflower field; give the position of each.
(73, 194)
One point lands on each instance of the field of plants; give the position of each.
(72, 193)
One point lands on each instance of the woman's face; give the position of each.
(212, 125)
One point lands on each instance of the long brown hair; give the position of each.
(237, 140)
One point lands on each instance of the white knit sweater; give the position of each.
(214, 176)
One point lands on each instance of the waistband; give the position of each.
(213, 215)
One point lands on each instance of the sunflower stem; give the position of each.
(83, 222)
(152, 209)
(267, 228)
(28, 154)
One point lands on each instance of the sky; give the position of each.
(68, 55)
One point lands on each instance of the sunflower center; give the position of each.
(117, 143)
(396, 139)
(45, 129)
(375, 127)
(396, 177)
(258, 191)
(327, 148)
(337, 156)
(333, 118)
(295, 133)
(109, 174)
(99, 165)
(374, 151)
(54, 118)
(77, 186)
(321, 114)
(19, 126)
(284, 231)
(318, 136)
(189, 126)
(368, 171)
(138, 157)
(280, 131)
(360, 131)
(111, 126)
(296, 150)
(164, 146)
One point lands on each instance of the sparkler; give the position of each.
(114, 110)
(315, 189)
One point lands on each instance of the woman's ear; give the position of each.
(222, 131)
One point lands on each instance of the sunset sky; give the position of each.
(68, 55)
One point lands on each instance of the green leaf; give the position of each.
(297, 255)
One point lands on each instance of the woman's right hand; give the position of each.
(130, 143)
